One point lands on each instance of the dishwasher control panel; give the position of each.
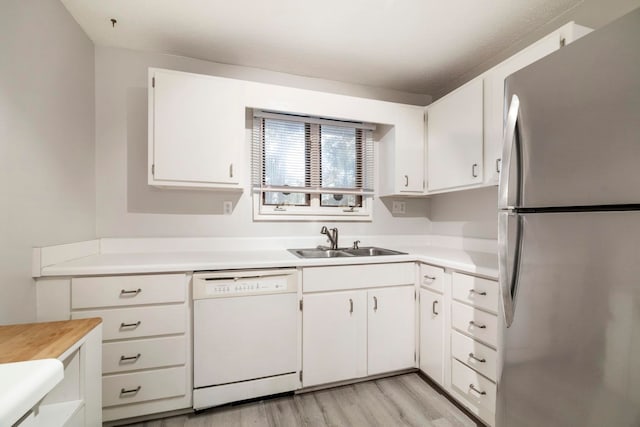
(221, 284)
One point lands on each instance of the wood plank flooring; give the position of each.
(404, 400)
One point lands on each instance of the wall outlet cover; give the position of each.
(227, 207)
(399, 207)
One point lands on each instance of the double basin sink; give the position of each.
(346, 252)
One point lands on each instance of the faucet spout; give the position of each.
(332, 235)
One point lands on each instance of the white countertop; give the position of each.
(481, 263)
(24, 384)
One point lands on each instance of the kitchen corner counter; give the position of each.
(481, 263)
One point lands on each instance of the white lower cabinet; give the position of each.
(350, 334)
(459, 329)
(334, 337)
(432, 340)
(146, 348)
(391, 329)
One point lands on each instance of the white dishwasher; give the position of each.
(245, 335)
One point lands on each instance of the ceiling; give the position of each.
(414, 46)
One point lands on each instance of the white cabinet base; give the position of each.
(218, 395)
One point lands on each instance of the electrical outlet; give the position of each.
(399, 207)
(227, 207)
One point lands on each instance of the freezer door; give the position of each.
(572, 353)
(578, 122)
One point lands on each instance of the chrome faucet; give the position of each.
(332, 235)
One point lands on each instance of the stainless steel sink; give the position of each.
(372, 251)
(318, 253)
(346, 252)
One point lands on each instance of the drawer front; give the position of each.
(135, 387)
(143, 354)
(113, 291)
(318, 279)
(138, 322)
(482, 293)
(475, 388)
(476, 323)
(432, 277)
(474, 354)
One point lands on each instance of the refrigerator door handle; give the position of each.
(509, 142)
(508, 275)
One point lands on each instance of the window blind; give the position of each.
(298, 156)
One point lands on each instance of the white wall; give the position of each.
(47, 190)
(468, 213)
(127, 206)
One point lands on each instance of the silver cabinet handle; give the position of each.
(130, 325)
(480, 392)
(498, 164)
(375, 303)
(429, 278)
(433, 307)
(477, 325)
(473, 356)
(473, 291)
(130, 391)
(406, 180)
(132, 293)
(350, 306)
(130, 358)
(231, 170)
(474, 172)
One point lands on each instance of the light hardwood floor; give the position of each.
(404, 400)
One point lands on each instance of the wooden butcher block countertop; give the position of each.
(48, 340)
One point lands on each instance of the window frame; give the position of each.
(314, 210)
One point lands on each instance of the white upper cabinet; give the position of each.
(494, 91)
(454, 138)
(402, 153)
(196, 130)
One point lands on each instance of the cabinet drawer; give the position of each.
(143, 354)
(318, 279)
(137, 322)
(432, 277)
(140, 386)
(88, 292)
(474, 354)
(476, 323)
(476, 291)
(475, 388)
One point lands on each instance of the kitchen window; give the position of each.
(308, 167)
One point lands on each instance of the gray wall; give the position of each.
(128, 207)
(47, 186)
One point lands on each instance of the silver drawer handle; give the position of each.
(130, 358)
(477, 325)
(480, 392)
(473, 356)
(473, 291)
(130, 391)
(429, 278)
(130, 325)
(433, 307)
(134, 293)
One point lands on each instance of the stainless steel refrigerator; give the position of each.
(569, 235)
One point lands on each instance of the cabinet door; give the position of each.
(432, 335)
(391, 329)
(454, 138)
(410, 153)
(197, 129)
(334, 337)
(494, 99)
